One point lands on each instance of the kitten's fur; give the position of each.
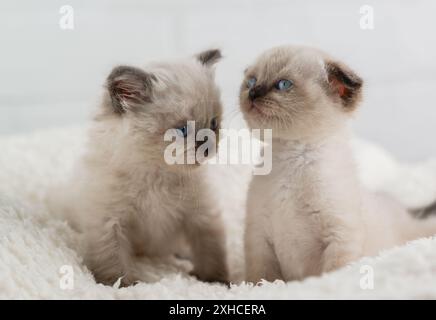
(131, 201)
(310, 214)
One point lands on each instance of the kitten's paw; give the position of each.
(116, 280)
(127, 281)
(255, 281)
(218, 277)
(336, 262)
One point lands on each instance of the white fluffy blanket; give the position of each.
(38, 250)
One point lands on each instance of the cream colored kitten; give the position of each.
(310, 214)
(131, 202)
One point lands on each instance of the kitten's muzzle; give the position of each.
(257, 92)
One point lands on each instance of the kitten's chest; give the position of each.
(163, 203)
(295, 213)
(292, 188)
(294, 204)
(161, 206)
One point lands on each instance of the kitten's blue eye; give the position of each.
(283, 84)
(183, 131)
(214, 124)
(251, 82)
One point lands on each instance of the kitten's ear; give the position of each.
(344, 83)
(128, 88)
(209, 57)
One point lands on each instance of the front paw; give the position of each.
(127, 281)
(116, 280)
(336, 262)
(219, 277)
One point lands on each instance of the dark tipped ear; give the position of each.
(128, 88)
(209, 57)
(344, 83)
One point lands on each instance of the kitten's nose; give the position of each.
(256, 92)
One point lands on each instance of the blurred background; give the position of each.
(52, 77)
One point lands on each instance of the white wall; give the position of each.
(52, 77)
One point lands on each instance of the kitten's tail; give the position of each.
(423, 224)
(424, 212)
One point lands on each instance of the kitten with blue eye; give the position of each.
(310, 214)
(130, 200)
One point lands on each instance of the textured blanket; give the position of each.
(41, 256)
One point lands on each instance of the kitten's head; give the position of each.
(140, 105)
(299, 92)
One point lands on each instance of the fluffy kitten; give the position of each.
(310, 214)
(131, 201)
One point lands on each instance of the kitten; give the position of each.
(310, 214)
(131, 201)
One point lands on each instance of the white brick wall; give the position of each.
(51, 77)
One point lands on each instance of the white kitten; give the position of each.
(311, 215)
(131, 202)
